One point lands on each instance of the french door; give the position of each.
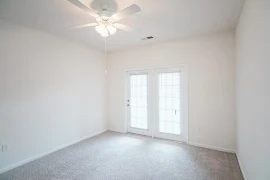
(138, 102)
(157, 103)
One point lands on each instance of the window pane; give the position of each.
(169, 103)
(138, 101)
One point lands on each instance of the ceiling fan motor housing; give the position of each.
(104, 14)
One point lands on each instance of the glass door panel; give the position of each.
(138, 101)
(169, 103)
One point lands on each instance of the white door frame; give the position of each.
(152, 97)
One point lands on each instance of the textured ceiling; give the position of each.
(164, 19)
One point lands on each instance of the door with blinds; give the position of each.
(157, 103)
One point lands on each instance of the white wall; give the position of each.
(253, 90)
(211, 63)
(52, 92)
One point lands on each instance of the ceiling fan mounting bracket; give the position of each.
(104, 6)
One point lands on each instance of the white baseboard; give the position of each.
(116, 130)
(212, 147)
(20, 163)
(241, 167)
(192, 144)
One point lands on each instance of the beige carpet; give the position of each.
(115, 156)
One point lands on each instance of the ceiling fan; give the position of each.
(106, 21)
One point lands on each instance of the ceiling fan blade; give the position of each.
(123, 27)
(84, 25)
(134, 8)
(83, 7)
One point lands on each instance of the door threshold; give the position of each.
(157, 138)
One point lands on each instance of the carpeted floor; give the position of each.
(115, 156)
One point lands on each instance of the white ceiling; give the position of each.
(163, 19)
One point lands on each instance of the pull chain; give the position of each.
(106, 55)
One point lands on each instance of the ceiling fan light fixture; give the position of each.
(101, 29)
(105, 30)
(98, 29)
(111, 29)
(105, 34)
